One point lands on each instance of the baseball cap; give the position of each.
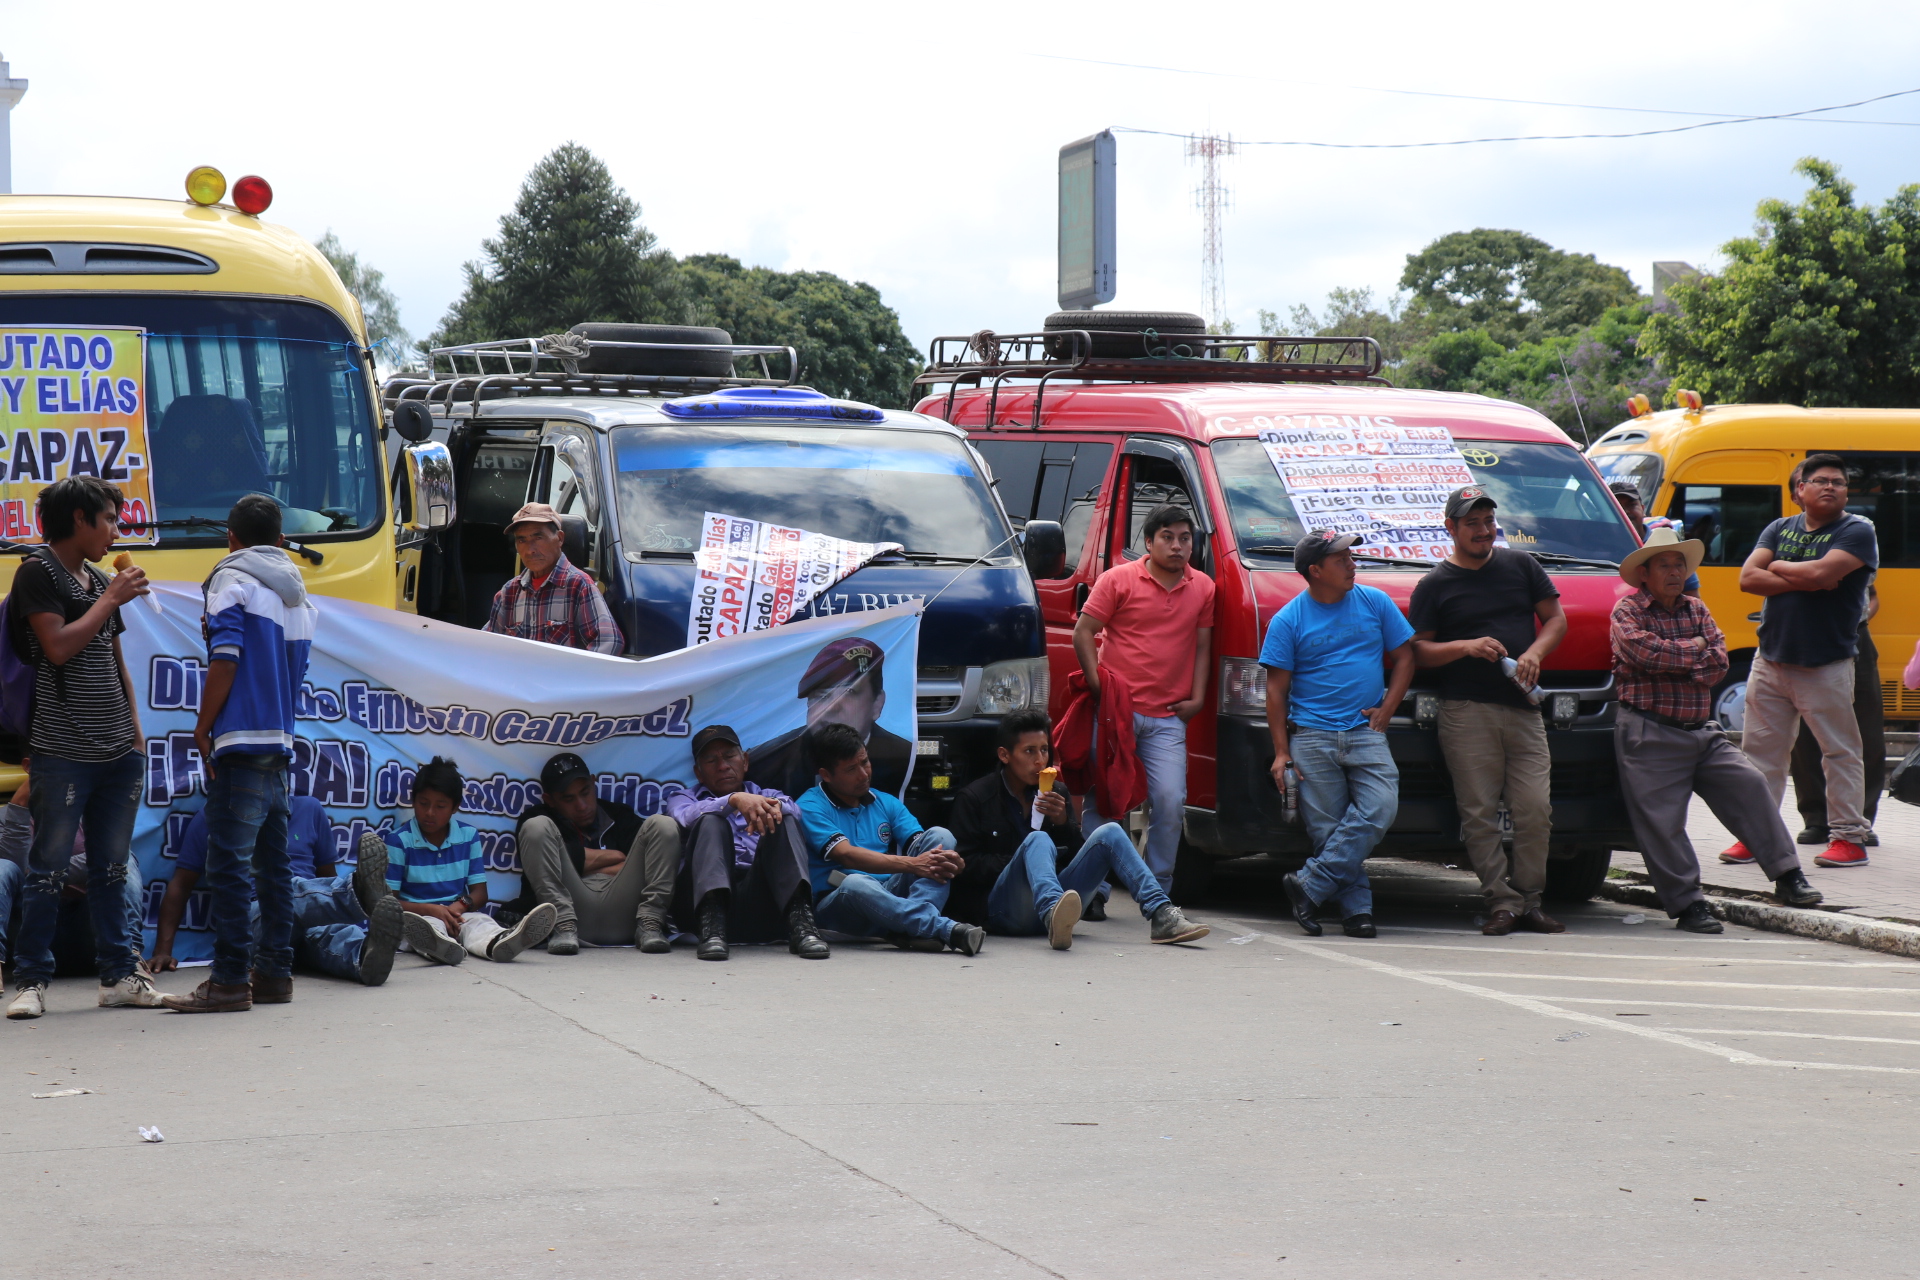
(1626, 489)
(1320, 544)
(711, 734)
(841, 662)
(561, 770)
(1463, 500)
(534, 513)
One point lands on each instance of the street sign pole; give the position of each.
(1087, 222)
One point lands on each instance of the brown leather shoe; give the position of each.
(270, 990)
(213, 997)
(1538, 921)
(1498, 925)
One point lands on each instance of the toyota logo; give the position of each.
(1480, 457)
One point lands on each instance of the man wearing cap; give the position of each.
(1479, 605)
(1327, 708)
(1667, 657)
(842, 685)
(551, 600)
(745, 874)
(607, 872)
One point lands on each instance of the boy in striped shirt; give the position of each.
(436, 868)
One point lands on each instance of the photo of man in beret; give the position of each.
(842, 685)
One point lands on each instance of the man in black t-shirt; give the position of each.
(1473, 609)
(1813, 569)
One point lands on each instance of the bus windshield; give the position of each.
(244, 395)
(1548, 498)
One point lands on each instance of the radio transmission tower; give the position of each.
(1211, 195)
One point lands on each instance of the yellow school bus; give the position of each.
(1720, 473)
(192, 353)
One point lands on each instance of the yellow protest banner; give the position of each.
(73, 402)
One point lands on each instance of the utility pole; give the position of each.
(1211, 197)
(11, 91)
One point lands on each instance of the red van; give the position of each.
(1091, 423)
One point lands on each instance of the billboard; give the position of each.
(1087, 222)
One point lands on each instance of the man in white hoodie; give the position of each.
(259, 630)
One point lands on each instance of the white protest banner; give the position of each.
(1371, 476)
(386, 692)
(751, 575)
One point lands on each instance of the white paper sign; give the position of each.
(1371, 476)
(751, 575)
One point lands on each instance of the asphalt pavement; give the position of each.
(1618, 1100)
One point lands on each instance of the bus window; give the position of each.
(1728, 518)
(1885, 488)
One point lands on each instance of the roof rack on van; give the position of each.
(1085, 354)
(575, 364)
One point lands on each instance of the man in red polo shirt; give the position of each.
(1153, 619)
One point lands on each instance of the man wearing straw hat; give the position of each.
(1667, 657)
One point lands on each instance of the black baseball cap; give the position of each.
(562, 769)
(1461, 501)
(1320, 544)
(711, 734)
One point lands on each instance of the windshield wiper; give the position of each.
(1422, 565)
(925, 557)
(206, 522)
(1554, 557)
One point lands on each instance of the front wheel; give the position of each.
(1578, 878)
(1730, 695)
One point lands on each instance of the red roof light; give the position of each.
(252, 195)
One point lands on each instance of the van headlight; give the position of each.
(1243, 687)
(1006, 687)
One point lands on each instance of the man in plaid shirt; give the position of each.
(1667, 657)
(551, 600)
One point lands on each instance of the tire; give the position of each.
(687, 364)
(1578, 878)
(1115, 332)
(1192, 875)
(1730, 695)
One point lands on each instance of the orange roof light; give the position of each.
(1639, 405)
(1688, 400)
(206, 184)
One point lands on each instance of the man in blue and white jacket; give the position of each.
(259, 630)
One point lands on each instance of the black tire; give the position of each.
(1192, 875)
(1578, 878)
(1739, 667)
(1120, 335)
(685, 364)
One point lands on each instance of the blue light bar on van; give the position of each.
(770, 402)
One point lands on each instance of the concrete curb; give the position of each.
(1852, 931)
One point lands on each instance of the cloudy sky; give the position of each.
(914, 147)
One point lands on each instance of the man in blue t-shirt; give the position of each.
(1327, 708)
(875, 872)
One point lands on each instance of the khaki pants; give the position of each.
(1492, 751)
(604, 908)
(1779, 698)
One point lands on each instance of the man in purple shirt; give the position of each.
(745, 872)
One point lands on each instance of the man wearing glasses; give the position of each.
(1814, 570)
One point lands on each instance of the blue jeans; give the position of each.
(73, 934)
(868, 906)
(102, 796)
(1030, 886)
(247, 827)
(1349, 794)
(329, 927)
(1161, 742)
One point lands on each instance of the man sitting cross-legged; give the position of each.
(1013, 874)
(607, 872)
(745, 874)
(875, 871)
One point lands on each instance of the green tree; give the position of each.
(382, 310)
(572, 250)
(850, 343)
(1513, 286)
(1353, 313)
(1581, 380)
(1819, 307)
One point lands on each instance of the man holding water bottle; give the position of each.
(1486, 617)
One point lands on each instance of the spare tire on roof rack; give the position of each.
(693, 363)
(1122, 335)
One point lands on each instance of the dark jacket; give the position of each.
(989, 823)
(623, 825)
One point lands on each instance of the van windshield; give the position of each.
(915, 488)
(244, 395)
(1548, 498)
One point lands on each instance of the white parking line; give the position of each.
(1737, 1008)
(1665, 982)
(1735, 939)
(1910, 966)
(1797, 1035)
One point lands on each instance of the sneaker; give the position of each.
(135, 991)
(906, 942)
(531, 931)
(382, 940)
(1738, 854)
(1060, 921)
(563, 941)
(967, 939)
(30, 1003)
(212, 997)
(1170, 926)
(370, 873)
(1792, 890)
(1841, 853)
(651, 937)
(1698, 918)
(1097, 909)
(429, 941)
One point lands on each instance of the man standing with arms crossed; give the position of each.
(1151, 621)
(1813, 569)
(1323, 655)
(1474, 608)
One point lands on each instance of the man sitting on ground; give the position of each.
(607, 873)
(875, 871)
(745, 877)
(73, 947)
(1010, 831)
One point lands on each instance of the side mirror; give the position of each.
(573, 541)
(411, 421)
(430, 483)
(1044, 545)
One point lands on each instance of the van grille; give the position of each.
(937, 704)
